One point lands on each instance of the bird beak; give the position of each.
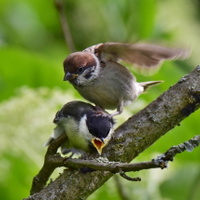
(56, 120)
(99, 144)
(69, 76)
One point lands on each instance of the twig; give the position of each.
(189, 145)
(64, 24)
(114, 167)
(123, 175)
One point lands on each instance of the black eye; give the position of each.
(80, 69)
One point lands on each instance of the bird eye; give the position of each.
(80, 69)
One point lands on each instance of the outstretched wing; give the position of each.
(140, 54)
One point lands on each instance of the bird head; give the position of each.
(81, 67)
(101, 128)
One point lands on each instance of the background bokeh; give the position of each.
(32, 49)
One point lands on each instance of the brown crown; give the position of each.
(77, 60)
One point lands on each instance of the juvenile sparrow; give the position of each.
(84, 126)
(98, 76)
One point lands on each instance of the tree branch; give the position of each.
(53, 160)
(131, 138)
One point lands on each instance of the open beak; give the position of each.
(69, 76)
(99, 144)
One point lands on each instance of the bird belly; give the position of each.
(78, 142)
(75, 137)
(114, 86)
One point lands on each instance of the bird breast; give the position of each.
(75, 136)
(114, 84)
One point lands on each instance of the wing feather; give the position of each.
(140, 54)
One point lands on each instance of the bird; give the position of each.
(99, 76)
(86, 128)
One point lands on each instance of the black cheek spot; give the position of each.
(87, 76)
(90, 72)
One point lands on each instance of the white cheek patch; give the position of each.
(97, 68)
(83, 129)
(82, 80)
(107, 139)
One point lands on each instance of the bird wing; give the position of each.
(140, 54)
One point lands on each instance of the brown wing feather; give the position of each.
(141, 54)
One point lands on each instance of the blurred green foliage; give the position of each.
(32, 49)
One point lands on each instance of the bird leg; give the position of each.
(119, 109)
(99, 109)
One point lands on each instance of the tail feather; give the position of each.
(148, 84)
(48, 142)
(58, 131)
